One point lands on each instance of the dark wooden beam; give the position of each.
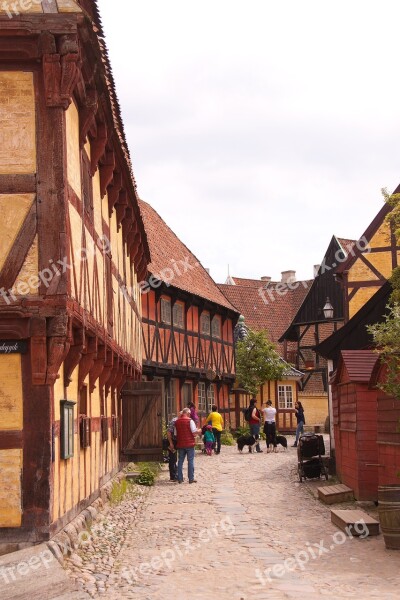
(17, 184)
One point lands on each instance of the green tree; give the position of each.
(257, 361)
(386, 335)
(386, 338)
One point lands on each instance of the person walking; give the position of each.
(185, 432)
(301, 421)
(193, 414)
(255, 422)
(209, 440)
(172, 454)
(217, 424)
(269, 413)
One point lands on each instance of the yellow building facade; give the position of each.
(72, 253)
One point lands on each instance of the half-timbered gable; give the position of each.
(366, 270)
(187, 325)
(320, 314)
(73, 251)
(310, 326)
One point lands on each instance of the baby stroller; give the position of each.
(310, 451)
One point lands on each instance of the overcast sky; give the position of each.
(259, 129)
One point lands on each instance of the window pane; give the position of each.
(201, 390)
(210, 396)
(165, 311)
(205, 324)
(178, 315)
(216, 327)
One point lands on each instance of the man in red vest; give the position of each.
(186, 430)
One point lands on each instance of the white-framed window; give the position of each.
(210, 396)
(165, 311)
(205, 323)
(177, 315)
(216, 327)
(170, 400)
(201, 397)
(285, 396)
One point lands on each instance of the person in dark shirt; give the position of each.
(299, 412)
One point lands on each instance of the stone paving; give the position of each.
(246, 530)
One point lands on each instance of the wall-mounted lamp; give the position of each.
(328, 310)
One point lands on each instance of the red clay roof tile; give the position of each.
(171, 258)
(271, 308)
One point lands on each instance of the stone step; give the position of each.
(355, 522)
(330, 494)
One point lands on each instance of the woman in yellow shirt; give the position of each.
(217, 423)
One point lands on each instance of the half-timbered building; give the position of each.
(320, 314)
(187, 326)
(72, 251)
(371, 263)
(365, 441)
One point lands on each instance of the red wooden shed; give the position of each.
(388, 431)
(355, 422)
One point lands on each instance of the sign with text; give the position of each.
(13, 346)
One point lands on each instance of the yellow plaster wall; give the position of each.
(361, 272)
(73, 150)
(381, 261)
(58, 396)
(13, 210)
(27, 282)
(17, 105)
(97, 208)
(382, 237)
(68, 6)
(76, 245)
(10, 488)
(315, 407)
(56, 480)
(11, 398)
(360, 298)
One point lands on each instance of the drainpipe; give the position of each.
(332, 453)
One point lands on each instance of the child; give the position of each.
(209, 439)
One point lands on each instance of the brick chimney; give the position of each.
(288, 276)
(266, 278)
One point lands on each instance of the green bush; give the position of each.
(154, 467)
(244, 430)
(146, 477)
(227, 439)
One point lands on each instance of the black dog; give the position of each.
(246, 440)
(280, 439)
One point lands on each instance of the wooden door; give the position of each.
(141, 436)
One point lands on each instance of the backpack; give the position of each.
(247, 413)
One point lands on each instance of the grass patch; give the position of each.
(118, 491)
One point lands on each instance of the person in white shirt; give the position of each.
(270, 425)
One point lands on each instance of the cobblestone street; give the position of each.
(224, 535)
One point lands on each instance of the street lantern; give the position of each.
(328, 309)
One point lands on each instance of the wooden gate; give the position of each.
(141, 436)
